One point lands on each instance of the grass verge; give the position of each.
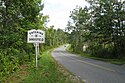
(113, 61)
(48, 71)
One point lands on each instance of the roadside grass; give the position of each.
(48, 71)
(113, 61)
(69, 49)
(83, 54)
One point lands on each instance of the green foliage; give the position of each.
(9, 64)
(16, 18)
(97, 57)
(55, 37)
(78, 25)
(47, 71)
(100, 27)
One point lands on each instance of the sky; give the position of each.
(59, 11)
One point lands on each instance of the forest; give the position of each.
(16, 18)
(99, 29)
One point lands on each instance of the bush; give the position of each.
(8, 65)
(10, 60)
(100, 51)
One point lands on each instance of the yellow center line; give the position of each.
(98, 66)
(101, 67)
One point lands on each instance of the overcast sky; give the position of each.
(59, 11)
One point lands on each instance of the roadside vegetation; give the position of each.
(99, 30)
(16, 18)
(48, 71)
(87, 55)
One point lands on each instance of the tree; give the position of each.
(79, 18)
(106, 22)
(16, 17)
(100, 27)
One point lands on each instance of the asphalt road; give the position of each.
(89, 70)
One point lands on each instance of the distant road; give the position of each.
(89, 70)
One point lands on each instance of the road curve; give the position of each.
(89, 70)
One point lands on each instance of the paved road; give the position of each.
(91, 71)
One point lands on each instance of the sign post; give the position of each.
(36, 37)
(36, 49)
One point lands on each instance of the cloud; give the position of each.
(59, 11)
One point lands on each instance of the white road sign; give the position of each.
(36, 36)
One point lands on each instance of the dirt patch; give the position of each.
(73, 78)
